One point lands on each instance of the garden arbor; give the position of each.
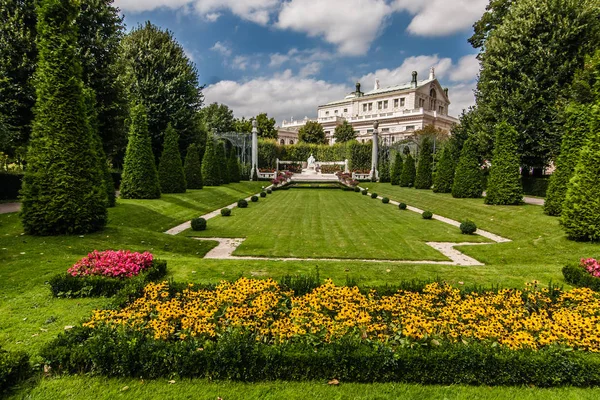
(245, 145)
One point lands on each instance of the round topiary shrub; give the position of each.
(357, 189)
(385, 200)
(263, 194)
(365, 192)
(373, 195)
(242, 203)
(402, 206)
(468, 227)
(269, 191)
(427, 215)
(225, 212)
(254, 199)
(199, 224)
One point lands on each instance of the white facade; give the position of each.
(400, 110)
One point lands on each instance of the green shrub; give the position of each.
(356, 189)
(468, 178)
(385, 200)
(199, 224)
(14, 368)
(409, 172)
(504, 183)
(263, 194)
(242, 203)
(63, 188)
(222, 162)
(68, 286)
(384, 170)
(254, 199)
(402, 206)
(535, 185)
(210, 166)
(468, 227)
(365, 192)
(269, 191)
(233, 167)
(170, 169)
(396, 169)
(193, 168)
(444, 173)
(140, 178)
(578, 276)
(580, 216)
(10, 185)
(423, 179)
(225, 212)
(427, 215)
(373, 195)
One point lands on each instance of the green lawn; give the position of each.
(332, 224)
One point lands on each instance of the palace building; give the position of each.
(400, 110)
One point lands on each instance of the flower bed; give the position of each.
(257, 330)
(331, 169)
(105, 273)
(294, 168)
(584, 274)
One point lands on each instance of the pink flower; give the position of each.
(591, 265)
(116, 264)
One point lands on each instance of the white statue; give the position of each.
(311, 161)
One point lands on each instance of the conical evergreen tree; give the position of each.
(170, 168)
(580, 216)
(210, 168)
(140, 179)
(384, 170)
(444, 174)
(409, 171)
(423, 179)
(468, 179)
(233, 167)
(504, 183)
(193, 168)
(92, 118)
(63, 190)
(396, 169)
(222, 163)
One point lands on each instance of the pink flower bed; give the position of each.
(116, 264)
(591, 265)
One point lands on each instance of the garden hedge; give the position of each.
(68, 286)
(210, 168)
(577, 275)
(238, 356)
(14, 368)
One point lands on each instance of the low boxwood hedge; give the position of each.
(385, 200)
(68, 286)
(198, 224)
(577, 275)
(402, 206)
(427, 215)
(242, 203)
(374, 195)
(365, 192)
(238, 356)
(263, 194)
(14, 368)
(226, 212)
(254, 199)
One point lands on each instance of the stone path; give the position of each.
(6, 208)
(534, 200)
(226, 247)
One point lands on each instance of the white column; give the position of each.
(254, 150)
(375, 154)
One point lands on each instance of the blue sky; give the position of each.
(285, 57)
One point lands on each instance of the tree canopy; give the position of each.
(344, 132)
(218, 118)
(312, 132)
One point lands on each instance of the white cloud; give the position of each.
(310, 69)
(149, 5)
(277, 60)
(222, 49)
(351, 25)
(440, 17)
(212, 17)
(462, 96)
(467, 68)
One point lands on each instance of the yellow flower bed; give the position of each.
(514, 318)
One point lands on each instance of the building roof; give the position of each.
(404, 86)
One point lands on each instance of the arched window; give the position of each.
(291, 142)
(433, 95)
(282, 141)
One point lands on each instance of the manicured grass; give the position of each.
(79, 387)
(332, 224)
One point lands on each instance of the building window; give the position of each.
(441, 110)
(370, 106)
(393, 139)
(369, 131)
(402, 101)
(379, 105)
(385, 130)
(282, 141)
(410, 128)
(335, 112)
(421, 103)
(395, 103)
(365, 107)
(385, 104)
(326, 112)
(291, 142)
(345, 110)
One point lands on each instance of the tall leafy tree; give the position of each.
(494, 14)
(140, 178)
(266, 126)
(158, 74)
(468, 177)
(312, 132)
(396, 169)
(344, 132)
(444, 173)
(63, 189)
(210, 167)
(242, 125)
(193, 168)
(527, 61)
(504, 184)
(423, 178)
(409, 172)
(170, 169)
(218, 118)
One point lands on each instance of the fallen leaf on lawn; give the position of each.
(35, 334)
(171, 382)
(43, 330)
(333, 382)
(68, 327)
(124, 388)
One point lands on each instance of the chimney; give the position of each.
(432, 74)
(358, 92)
(413, 83)
(446, 91)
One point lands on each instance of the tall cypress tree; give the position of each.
(233, 167)
(193, 167)
(170, 168)
(444, 174)
(407, 177)
(396, 169)
(63, 190)
(210, 168)
(384, 170)
(468, 179)
(222, 162)
(140, 179)
(423, 179)
(504, 184)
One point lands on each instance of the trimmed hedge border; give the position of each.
(576, 275)
(68, 286)
(14, 368)
(238, 356)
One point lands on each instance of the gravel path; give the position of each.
(6, 208)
